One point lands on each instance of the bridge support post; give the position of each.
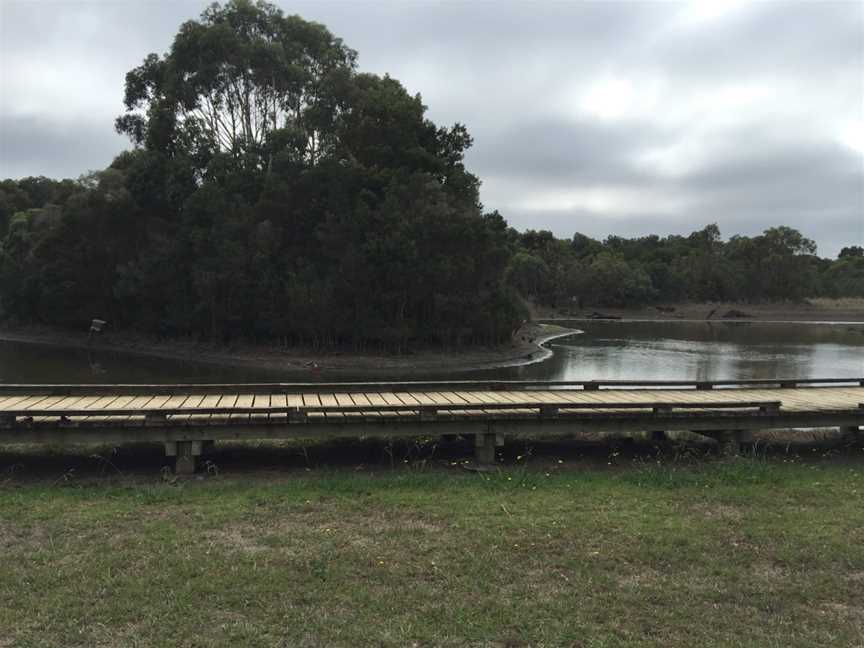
(658, 436)
(484, 447)
(729, 443)
(852, 434)
(185, 454)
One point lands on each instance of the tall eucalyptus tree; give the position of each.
(243, 81)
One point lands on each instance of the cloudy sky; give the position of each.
(600, 117)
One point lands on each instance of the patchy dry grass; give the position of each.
(751, 552)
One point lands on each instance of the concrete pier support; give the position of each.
(852, 434)
(185, 454)
(484, 447)
(658, 436)
(729, 443)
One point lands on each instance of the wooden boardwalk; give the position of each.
(184, 417)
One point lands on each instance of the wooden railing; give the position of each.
(407, 386)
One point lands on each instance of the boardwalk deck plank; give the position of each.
(278, 400)
(191, 402)
(312, 400)
(118, 402)
(226, 401)
(209, 400)
(329, 400)
(243, 400)
(362, 400)
(182, 408)
(378, 399)
(78, 402)
(102, 402)
(294, 400)
(262, 402)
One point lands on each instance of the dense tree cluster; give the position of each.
(275, 193)
(778, 265)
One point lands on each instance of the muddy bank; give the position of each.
(816, 310)
(525, 348)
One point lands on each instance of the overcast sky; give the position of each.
(598, 117)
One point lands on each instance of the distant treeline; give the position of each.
(276, 194)
(778, 265)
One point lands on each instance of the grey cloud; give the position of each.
(38, 146)
(575, 153)
(795, 174)
(768, 38)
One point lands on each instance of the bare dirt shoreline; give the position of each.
(526, 348)
(816, 310)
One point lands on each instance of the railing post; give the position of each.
(590, 386)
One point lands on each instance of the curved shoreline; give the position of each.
(543, 352)
(309, 364)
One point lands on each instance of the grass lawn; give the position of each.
(745, 552)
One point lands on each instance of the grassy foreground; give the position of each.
(738, 553)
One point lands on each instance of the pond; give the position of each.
(605, 350)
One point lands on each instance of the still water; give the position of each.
(703, 351)
(604, 351)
